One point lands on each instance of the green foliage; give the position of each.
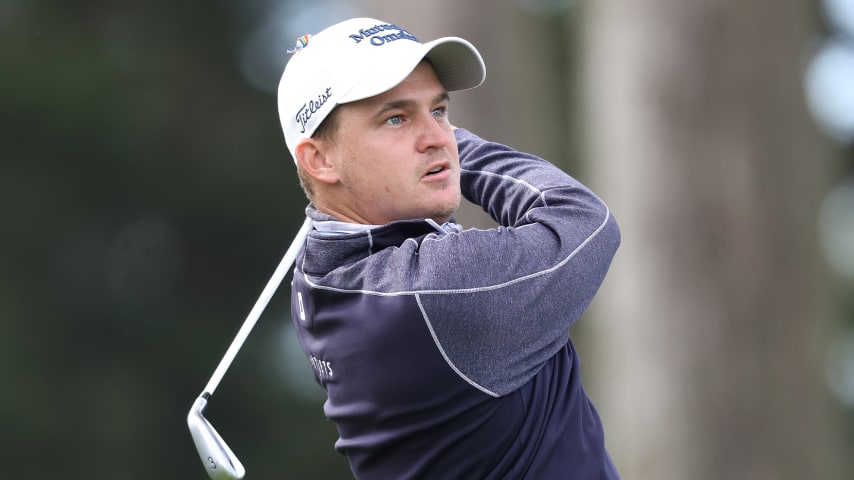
(147, 197)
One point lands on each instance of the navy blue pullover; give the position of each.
(445, 353)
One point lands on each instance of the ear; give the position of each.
(313, 158)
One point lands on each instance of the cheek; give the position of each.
(363, 172)
(372, 165)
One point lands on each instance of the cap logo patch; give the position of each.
(310, 107)
(376, 39)
(301, 43)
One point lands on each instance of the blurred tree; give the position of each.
(147, 197)
(711, 323)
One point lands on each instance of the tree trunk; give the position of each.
(710, 322)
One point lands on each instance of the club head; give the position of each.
(219, 461)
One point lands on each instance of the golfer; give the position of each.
(444, 352)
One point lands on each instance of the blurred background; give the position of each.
(147, 197)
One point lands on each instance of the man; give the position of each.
(444, 352)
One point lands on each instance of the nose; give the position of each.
(435, 133)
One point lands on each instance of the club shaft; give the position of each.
(260, 305)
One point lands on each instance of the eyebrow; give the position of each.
(403, 104)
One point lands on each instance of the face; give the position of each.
(395, 156)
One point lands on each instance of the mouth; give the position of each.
(437, 169)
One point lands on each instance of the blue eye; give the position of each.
(395, 120)
(440, 112)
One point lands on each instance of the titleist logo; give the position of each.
(310, 107)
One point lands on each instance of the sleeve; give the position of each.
(513, 292)
(509, 184)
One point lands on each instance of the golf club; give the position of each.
(219, 461)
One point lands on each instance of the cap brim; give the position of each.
(457, 63)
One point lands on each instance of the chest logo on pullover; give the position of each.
(322, 368)
(301, 307)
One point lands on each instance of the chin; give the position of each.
(442, 219)
(443, 216)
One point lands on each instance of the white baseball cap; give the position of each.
(360, 58)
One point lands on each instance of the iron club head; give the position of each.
(219, 461)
